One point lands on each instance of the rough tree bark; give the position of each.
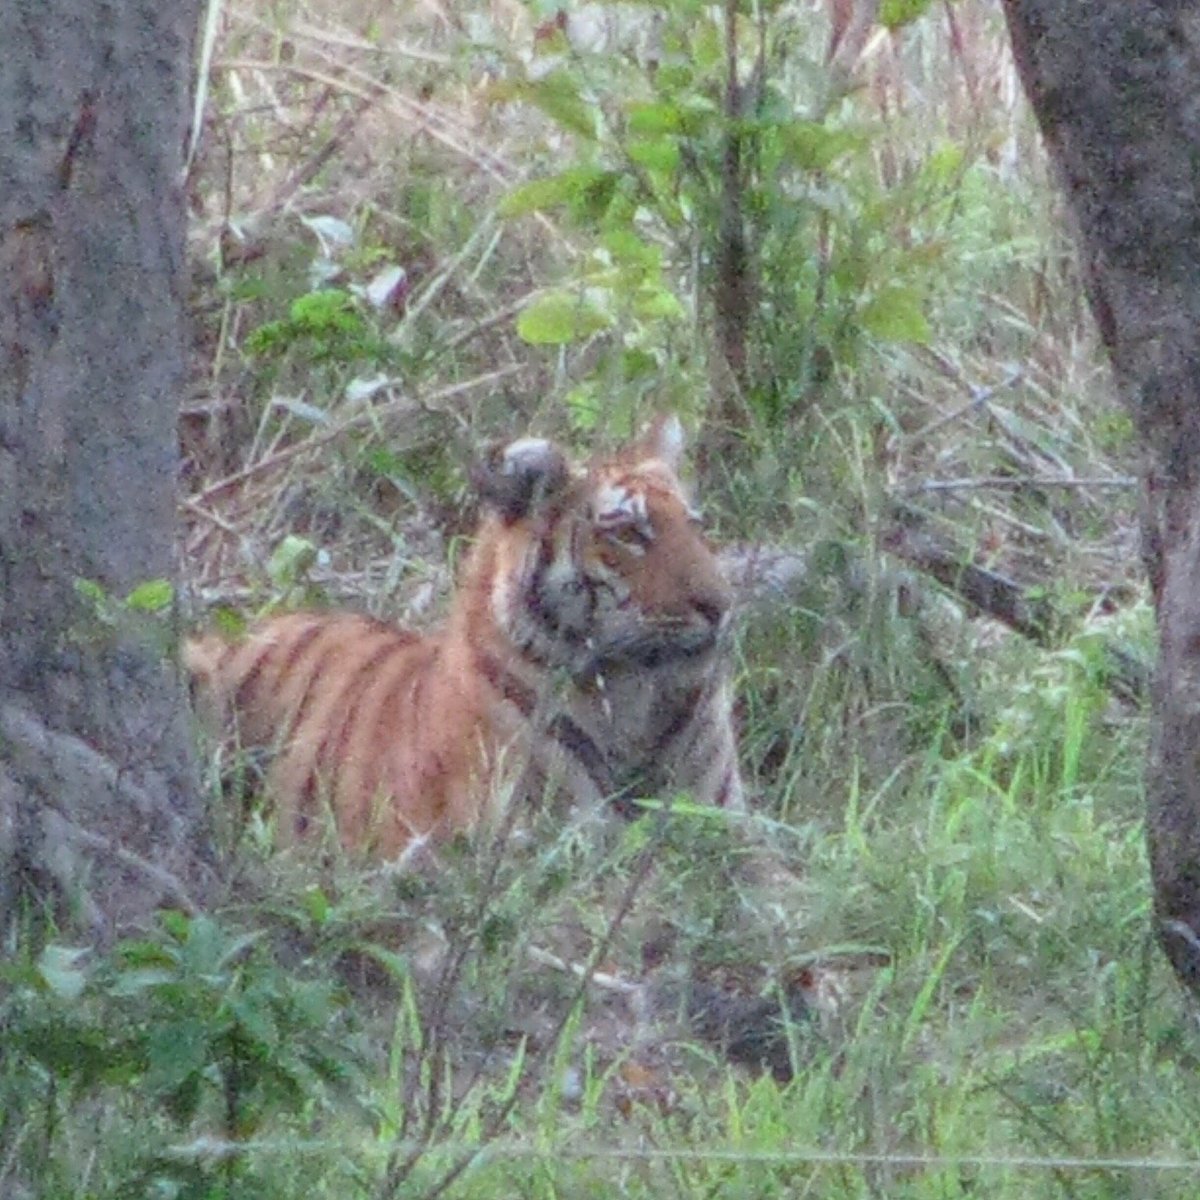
(1115, 85)
(96, 787)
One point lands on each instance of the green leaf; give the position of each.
(60, 970)
(237, 946)
(267, 337)
(944, 164)
(145, 952)
(627, 248)
(316, 904)
(708, 50)
(331, 310)
(228, 623)
(395, 964)
(655, 154)
(152, 596)
(311, 1001)
(583, 408)
(90, 590)
(252, 1012)
(655, 118)
(557, 95)
(895, 315)
(203, 948)
(893, 14)
(134, 980)
(559, 318)
(813, 147)
(682, 807)
(175, 1051)
(656, 302)
(596, 201)
(566, 187)
(292, 558)
(177, 924)
(638, 364)
(249, 288)
(97, 600)
(71, 1049)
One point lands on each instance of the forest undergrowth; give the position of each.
(835, 249)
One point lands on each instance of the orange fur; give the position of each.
(583, 650)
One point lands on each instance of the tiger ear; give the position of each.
(518, 478)
(664, 439)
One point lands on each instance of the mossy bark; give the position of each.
(97, 794)
(1115, 85)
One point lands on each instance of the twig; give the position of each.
(1033, 532)
(501, 317)
(370, 90)
(309, 170)
(208, 515)
(1013, 483)
(282, 457)
(602, 979)
(979, 397)
(328, 37)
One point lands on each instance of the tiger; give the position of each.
(585, 650)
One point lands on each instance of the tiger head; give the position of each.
(603, 565)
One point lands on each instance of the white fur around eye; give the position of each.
(621, 518)
(616, 506)
(530, 455)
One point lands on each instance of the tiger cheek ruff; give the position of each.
(584, 651)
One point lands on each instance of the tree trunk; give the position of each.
(96, 784)
(1115, 85)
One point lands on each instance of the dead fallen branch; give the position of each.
(985, 590)
(766, 577)
(1029, 613)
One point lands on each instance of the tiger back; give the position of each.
(584, 651)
